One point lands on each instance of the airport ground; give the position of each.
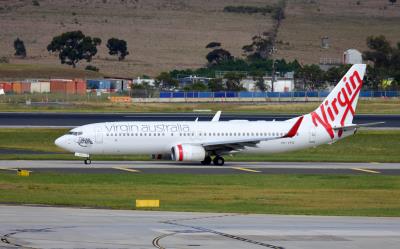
(48, 227)
(233, 193)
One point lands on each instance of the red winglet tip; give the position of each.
(295, 128)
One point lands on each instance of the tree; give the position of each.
(233, 81)
(311, 75)
(218, 55)
(216, 85)
(334, 74)
(19, 47)
(385, 58)
(380, 51)
(197, 86)
(260, 83)
(260, 48)
(213, 45)
(166, 82)
(117, 47)
(74, 46)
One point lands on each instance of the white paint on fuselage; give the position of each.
(117, 138)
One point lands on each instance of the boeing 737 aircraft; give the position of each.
(209, 141)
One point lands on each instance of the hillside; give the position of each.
(161, 34)
(168, 34)
(346, 23)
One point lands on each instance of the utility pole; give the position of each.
(272, 51)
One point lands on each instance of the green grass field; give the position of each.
(365, 146)
(359, 195)
(101, 104)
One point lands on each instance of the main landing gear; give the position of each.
(207, 160)
(218, 160)
(87, 161)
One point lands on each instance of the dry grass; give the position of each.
(345, 23)
(161, 34)
(168, 34)
(16, 71)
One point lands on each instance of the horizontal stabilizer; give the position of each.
(354, 126)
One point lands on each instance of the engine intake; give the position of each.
(187, 152)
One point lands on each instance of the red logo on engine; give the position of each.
(345, 98)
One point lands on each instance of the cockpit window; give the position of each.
(75, 133)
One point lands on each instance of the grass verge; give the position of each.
(355, 195)
(92, 104)
(365, 146)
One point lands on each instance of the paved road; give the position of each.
(49, 227)
(76, 119)
(163, 167)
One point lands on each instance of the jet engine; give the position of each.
(187, 152)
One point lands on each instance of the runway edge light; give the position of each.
(22, 172)
(147, 203)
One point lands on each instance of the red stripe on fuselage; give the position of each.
(180, 151)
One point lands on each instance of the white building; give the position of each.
(352, 56)
(249, 84)
(140, 81)
(281, 84)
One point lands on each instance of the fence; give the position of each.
(311, 94)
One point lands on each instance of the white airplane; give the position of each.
(209, 141)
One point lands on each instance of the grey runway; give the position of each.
(168, 167)
(51, 227)
(77, 119)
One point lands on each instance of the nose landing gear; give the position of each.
(87, 161)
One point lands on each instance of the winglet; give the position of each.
(216, 117)
(295, 128)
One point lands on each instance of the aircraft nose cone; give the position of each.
(59, 142)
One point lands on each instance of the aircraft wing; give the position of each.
(220, 147)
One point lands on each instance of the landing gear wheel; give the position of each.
(219, 161)
(87, 161)
(207, 160)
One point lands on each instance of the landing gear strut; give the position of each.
(87, 161)
(218, 160)
(207, 160)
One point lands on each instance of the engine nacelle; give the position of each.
(187, 152)
(161, 157)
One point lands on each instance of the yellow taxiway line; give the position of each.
(367, 170)
(246, 169)
(127, 169)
